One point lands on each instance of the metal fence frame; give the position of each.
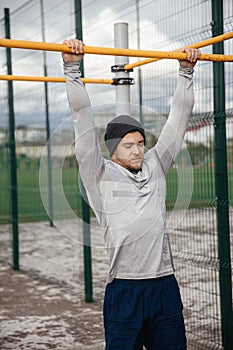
(222, 264)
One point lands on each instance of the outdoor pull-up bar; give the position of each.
(53, 79)
(109, 51)
(207, 42)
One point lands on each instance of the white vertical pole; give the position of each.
(122, 91)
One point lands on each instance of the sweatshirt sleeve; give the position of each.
(87, 147)
(172, 135)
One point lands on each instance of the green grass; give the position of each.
(31, 207)
(30, 204)
(203, 193)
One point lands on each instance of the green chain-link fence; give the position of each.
(162, 25)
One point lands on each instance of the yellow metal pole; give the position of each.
(53, 79)
(110, 51)
(153, 54)
(33, 45)
(198, 45)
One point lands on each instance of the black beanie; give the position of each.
(118, 127)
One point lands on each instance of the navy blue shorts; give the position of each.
(146, 313)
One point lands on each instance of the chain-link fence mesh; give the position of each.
(163, 25)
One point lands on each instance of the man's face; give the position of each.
(130, 151)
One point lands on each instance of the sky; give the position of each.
(10, 4)
(163, 29)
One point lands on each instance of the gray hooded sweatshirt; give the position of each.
(130, 207)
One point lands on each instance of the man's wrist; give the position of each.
(186, 71)
(72, 67)
(71, 64)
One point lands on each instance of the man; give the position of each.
(142, 305)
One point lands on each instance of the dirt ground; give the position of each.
(36, 314)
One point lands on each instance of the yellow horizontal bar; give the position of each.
(34, 45)
(110, 51)
(154, 54)
(198, 45)
(53, 79)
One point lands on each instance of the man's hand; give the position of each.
(76, 48)
(193, 56)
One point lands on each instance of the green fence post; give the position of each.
(221, 179)
(87, 249)
(139, 68)
(85, 205)
(14, 194)
(49, 159)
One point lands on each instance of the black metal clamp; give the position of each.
(120, 68)
(123, 81)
